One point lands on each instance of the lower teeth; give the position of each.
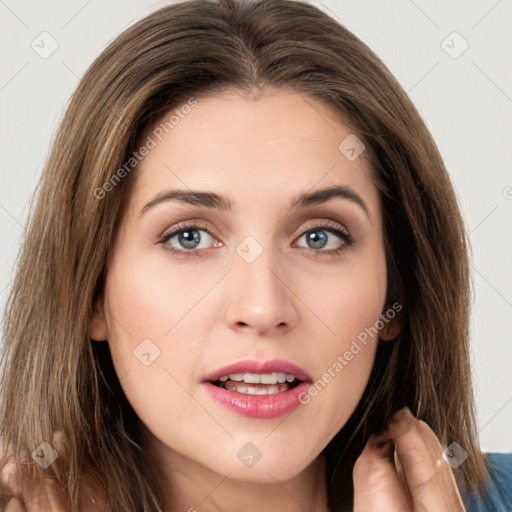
(262, 389)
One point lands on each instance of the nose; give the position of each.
(261, 298)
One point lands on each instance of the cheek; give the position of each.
(347, 300)
(148, 299)
(339, 386)
(144, 357)
(151, 327)
(350, 306)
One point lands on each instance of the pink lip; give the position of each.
(259, 406)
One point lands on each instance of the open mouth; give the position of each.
(259, 389)
(258, 384)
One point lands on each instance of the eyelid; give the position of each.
(187, 224)
(204, 225)
(337, 229)
(334, 227)
(323, 224)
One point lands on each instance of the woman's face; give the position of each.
(258, 282)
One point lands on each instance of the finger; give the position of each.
(27, 495)
(429, 479)
(11, 477)
(377, 485)
(450, 488)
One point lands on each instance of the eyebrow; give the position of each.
(220, 202)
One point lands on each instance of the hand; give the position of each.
(46, 496)
(423, 482)
(24, 497)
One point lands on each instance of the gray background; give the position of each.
(466, 101)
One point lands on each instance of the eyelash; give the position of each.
(331, 227)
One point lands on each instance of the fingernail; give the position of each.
(401, 414)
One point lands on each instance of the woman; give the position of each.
(250, 269)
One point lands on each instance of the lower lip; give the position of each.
(259, 406)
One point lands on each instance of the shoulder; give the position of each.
(499, 486)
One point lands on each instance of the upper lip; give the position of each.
(253, 366)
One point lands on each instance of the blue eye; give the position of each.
(317, 238)
(190, 237)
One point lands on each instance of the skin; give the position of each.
(294, 302)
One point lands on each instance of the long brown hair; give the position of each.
(56, 378)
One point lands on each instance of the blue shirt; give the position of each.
(499, 486)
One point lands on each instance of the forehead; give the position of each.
(274, 146)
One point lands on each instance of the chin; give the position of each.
(269, 468)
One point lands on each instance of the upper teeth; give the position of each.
(257, 378)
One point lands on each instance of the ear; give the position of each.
(394, 318)
(97, 323)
